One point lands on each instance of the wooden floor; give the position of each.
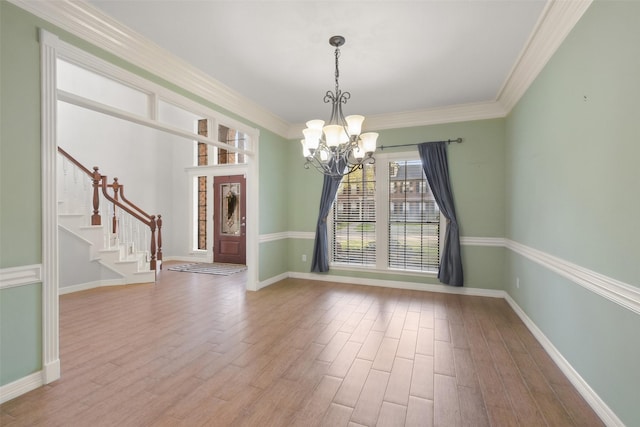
(196, 349)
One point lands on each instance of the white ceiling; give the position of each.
(399, 56)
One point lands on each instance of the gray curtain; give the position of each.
(436, 168)
(320, 259)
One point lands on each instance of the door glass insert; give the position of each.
(230, 208)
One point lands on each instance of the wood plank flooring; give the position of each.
(196, 349)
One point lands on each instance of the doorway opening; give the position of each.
(56, 53)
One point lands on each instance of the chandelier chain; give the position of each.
(337, 74)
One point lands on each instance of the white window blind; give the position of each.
(414, 219)
(354, 218)
(409, 237)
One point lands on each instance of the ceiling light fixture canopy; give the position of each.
(340, 147)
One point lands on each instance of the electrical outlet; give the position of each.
(304, 258)
(518, 282)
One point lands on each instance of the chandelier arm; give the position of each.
(324, 168)
(331, 168)
(329, 97)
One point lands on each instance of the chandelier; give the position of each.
(338, 148)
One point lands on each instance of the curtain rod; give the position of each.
(448, 141)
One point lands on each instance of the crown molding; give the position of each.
(555, 23)
(89, 23)
(432, 116)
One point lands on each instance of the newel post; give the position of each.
(159, 223)
(96, 177)
(152, 226)
(114, 220)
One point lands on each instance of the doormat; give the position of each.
(215, 268)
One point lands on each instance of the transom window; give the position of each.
(387, 218)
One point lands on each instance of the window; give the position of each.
(208, 155)
(354, 219)
(414, 232)
(387, 218)
(235, 139)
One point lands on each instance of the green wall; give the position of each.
(477, 175)
(19, 142)
(559, 174)
(20, 332)
(573, 185)
(20, 193)
(20, 180)
(273, 259)
(274, 197)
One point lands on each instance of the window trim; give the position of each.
(382, 222)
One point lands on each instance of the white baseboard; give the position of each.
(273, 280)
(21, 386)
(51, 372)
(399, 285)
(413, 286)
(90, 285)
(193, 258)
(597, 404)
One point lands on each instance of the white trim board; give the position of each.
(272, 237)
(20, 276)
(273, 280)
(555, 24)
(311, 235)
(50, 260)
(35, 380)
(90, 285)
(91, 24)
(21, 386)
(483, 241)
(623, 294)
(194, 258)
(396, 284)
(597, 404)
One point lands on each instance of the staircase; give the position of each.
(116, 233)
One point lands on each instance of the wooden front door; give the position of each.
(229, 219)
